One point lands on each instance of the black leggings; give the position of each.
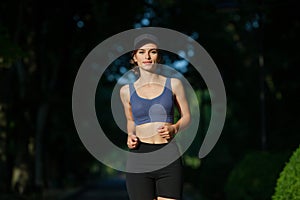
(165, 182)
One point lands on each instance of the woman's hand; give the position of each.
(132, 141)
(167, 131)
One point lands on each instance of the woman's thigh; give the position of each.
(140, 186)
(169, 181)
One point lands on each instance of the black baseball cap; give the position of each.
(144, 39)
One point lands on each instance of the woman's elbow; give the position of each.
(188, 119)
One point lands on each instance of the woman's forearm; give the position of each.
(182, 123)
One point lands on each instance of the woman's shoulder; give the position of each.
(175, 82)
(124, 90)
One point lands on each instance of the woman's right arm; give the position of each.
(132, 140)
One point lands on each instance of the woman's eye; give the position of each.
(154, 51)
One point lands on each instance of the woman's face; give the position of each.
(146, 56)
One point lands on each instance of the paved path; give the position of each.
(110, 189)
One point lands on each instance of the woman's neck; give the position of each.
(146, 77)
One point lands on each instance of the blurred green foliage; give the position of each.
(254, 177)
(288, 183)
(9, 50)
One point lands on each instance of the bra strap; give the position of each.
(168, 83)
(131, 89)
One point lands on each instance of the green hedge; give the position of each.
(288, 183)
(254, 177)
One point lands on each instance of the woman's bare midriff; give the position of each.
(148, 133)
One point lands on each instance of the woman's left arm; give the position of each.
(168, 131)
(182, 104)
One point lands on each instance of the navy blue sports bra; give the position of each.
(157, 109)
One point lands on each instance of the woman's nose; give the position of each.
(147, 55)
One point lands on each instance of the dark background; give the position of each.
(255, 45)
